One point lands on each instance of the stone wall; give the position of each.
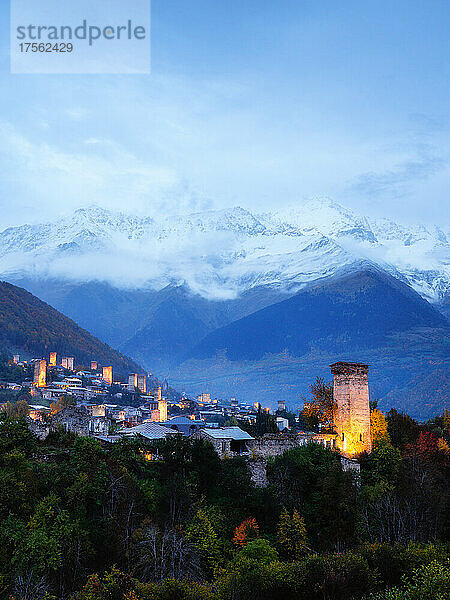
(274, 444)
(221, 446)
(72, 419)
(39, 429)
(271, 445)
(257, 468)
(78, 421)
(350, 465)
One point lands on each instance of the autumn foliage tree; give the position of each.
(62, 403)
(318, 411)
(245, 532)
(378, 428)
(430, 449)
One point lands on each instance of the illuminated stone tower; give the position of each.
(40, 373)
(132, 382)
(94, 365)
(108, 375)
(142, 383)
(157, 394)
(137, 380)
(67, 362)
(352, 412)
(162, 409)
(52, 362)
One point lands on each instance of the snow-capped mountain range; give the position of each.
(222, 253)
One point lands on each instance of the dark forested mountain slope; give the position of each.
(155, 327)
(32, 327)
(359, 310)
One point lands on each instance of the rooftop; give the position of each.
(151, 431)
(349, 367)
(227, 433)
(182, 421)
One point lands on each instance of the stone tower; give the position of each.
(40, 373)
(352, 412)
(108, 375)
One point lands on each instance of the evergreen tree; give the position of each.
(202, 534)
(291, 535)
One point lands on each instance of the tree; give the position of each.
(162, 554)
(381, 465)
(426, 446)
(402, 428)
(205, 539)
(245, 532)
(14, 434)
(312, 477)
(113, 585)
(265, 423)
(53, 545)
(427, 582)
(318, 411)
(259, 550)
(235, 495)
(378, 428)
(22, 408)
(291, 535)
(405, 498)
(62, 403)
(446, 422)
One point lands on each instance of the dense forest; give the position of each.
(32, 327)
(84, 522)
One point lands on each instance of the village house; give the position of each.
(149, 431)
(76, 419)
(184, 425)
(227, 441)
(37, 412)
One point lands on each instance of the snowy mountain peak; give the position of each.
(221, 253)
(328, 217)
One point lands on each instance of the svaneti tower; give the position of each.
(352, 411)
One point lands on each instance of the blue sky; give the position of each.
(250, 103)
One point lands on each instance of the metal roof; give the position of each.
(151, 431)
(182, 421)
(227, 433)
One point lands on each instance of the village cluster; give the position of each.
(90, 403)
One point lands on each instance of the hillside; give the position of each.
(155, 327)
(367, 316)
(358, 310)
(31, 327)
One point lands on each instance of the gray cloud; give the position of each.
(396, 182)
